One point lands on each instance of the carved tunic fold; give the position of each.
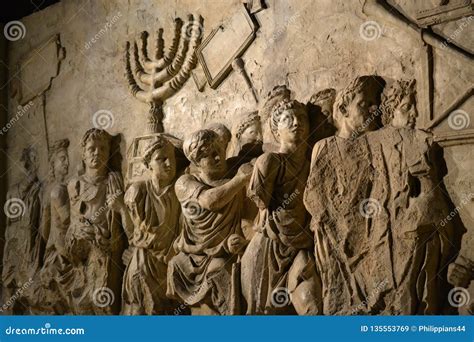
(96, 241)
(384, 257)
(201, 271)
(158, 217)
(23, 248)
(276, 186)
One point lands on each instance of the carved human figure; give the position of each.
(95, 236)
(419, 207)
(278, 263)
(246, 147)
(155, 213)
(399, 105)
(339, 179)
(200, 274)
(222, 131)
(375, 209)
(320, 110)
(22, 252)
(56, 276)
(247, 137)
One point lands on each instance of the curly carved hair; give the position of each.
(346, 95)
(95, 134)
(280, 108)
(199, 142)
(159, 143)
(246, 121)
(328, 94)
(393, 95)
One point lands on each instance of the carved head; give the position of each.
(160, 159)
(222, 131)
(399, 104)
(96, 148)
(29, 160)
(324, 99)
(289, 122)
(275, 96)
(356, 105)
(249, 129)
(206, 151)
(59, 159)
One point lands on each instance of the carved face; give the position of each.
(251, 134)
(61, 164)
(96, 153)
(405, 114)
(360, 112)
(212, 160)
(163, 164)
(326, 107)
(31, 163)
(293, 126)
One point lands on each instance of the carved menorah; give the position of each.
(157, 78)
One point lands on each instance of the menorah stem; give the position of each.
(155, 118)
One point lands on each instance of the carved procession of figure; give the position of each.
(304, 222)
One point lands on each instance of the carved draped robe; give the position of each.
(384, 257)
(202, 270)
(98, 268)
(158, 217)
(23, 250)
(56, 276)
(276, 186)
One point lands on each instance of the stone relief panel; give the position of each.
(305, 170)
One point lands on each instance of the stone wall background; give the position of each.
(307, 45)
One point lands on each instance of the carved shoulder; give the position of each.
(74, 187)
(134, 192)
(59, 192)
(268, 161)
(186, 186)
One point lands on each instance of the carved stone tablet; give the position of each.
(224, 44)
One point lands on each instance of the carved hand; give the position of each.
(236, 244)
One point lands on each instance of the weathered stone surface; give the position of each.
(296, 186)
